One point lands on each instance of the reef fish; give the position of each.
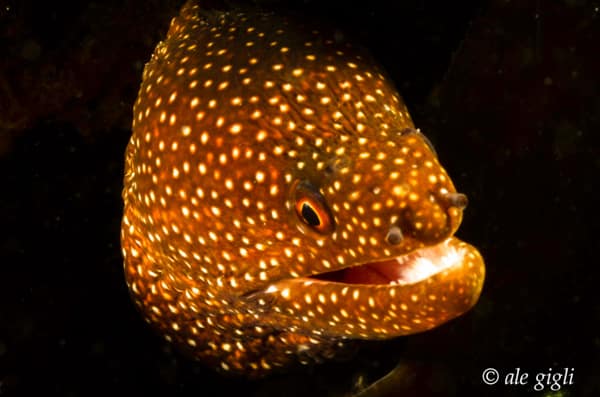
(278, 200)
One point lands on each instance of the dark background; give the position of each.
(506, 90)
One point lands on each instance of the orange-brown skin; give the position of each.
(241, 117)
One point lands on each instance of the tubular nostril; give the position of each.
(394, 235)
(457, 200)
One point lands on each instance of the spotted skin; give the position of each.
(265, 159)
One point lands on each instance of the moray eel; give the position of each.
(278, 200)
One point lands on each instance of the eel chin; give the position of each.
(409, 268)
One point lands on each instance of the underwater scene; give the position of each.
(299, 198)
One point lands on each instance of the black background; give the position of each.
(506, 90)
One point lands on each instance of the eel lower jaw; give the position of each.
(409, 268)
(399, 296)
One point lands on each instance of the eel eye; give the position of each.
(312, 209)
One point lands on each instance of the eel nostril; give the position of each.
(394, 235)
(457, 200)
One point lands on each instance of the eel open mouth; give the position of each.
(409, 268)
(396, 296)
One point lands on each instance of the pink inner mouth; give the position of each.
(410, 268)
